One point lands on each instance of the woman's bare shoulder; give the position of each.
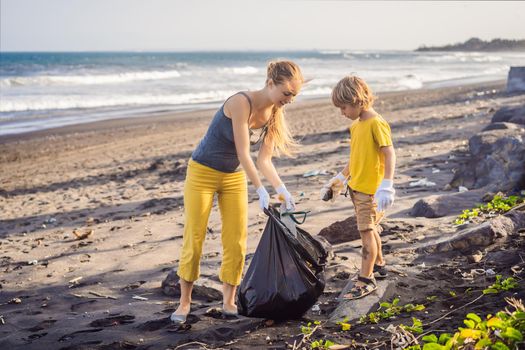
(237, 106)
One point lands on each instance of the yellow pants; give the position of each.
(201, 184)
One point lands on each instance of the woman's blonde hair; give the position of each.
(280, 72)
(354, 91)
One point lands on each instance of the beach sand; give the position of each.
(119, 182)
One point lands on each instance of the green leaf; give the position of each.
(469, 323)
(512, 333)
(474, 317)
(433, 346)
(490, 291)
(499, 346)
(483, 343)
(443, 338)
(431, 338)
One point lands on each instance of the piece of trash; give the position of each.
(476, 257)
(422, 182)
(50, 221)
(490, 272)
(32, 262)
(462, 189)
(311, 173)
(316, 308)
(435, 170)
(75, 280)
(15, 301)
(83, 235)
(138, 297)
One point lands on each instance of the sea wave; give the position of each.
(54, 102)
(88, 79)
(247, 70)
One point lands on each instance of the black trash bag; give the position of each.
(286, 274)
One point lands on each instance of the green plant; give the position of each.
(503, 331)
(499, 285)
(388, 310)
(308, 331)
(345, 326)
(498, 204)
(321, 344)
(417, 326)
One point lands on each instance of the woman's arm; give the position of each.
(239, 110)
(265, 164)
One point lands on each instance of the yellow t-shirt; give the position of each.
(367, 163)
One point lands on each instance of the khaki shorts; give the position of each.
(367, 216)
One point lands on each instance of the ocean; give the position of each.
(44, 90)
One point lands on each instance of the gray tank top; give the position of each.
(217, 149)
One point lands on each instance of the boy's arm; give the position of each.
(384, 196)
(390, 161)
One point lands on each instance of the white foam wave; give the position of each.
(460, 57)
(330, 52)
(410, 82)
(247, 70)
(91, 79)
(53, 102)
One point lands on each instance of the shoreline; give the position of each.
(160, 117)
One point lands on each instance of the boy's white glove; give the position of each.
(384, 196)
(264, 197)
(336, 184)
(286, 197)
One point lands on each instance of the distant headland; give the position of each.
(476, 44)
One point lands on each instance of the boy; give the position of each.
(369, 176)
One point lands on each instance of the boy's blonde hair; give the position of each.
(280, 72)
(354, 91)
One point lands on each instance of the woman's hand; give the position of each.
(286, 197)
(264, 197)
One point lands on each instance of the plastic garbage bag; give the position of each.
(286, 274)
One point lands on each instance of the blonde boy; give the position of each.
(369, 176)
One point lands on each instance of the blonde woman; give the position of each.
(220, 164)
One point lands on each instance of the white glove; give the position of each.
(384, 196)
(286, 197)
(336, 183)
(264, 197)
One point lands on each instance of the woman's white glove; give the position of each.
(264, 197)
(286, 197)
(336, 184)
(384, 196)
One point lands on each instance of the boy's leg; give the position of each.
(379, 257)
(365, 283)
(369, 252)
(233, 204)
(378, 217)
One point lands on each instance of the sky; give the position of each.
(201, 25)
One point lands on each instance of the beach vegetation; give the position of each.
(504, 330)
(388, 311)
(498, 205)
(501, 285)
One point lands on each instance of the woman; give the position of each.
(252, 117)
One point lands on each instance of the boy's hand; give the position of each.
(384, 196)
(286, 197)
(335, 184)
(264, 198)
